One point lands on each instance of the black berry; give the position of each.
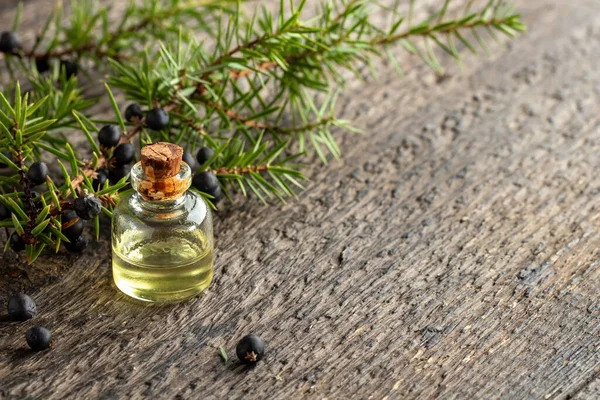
(9, 42)
(69, 67)
(39, 338)
(4, 212)
(109, 135)
(87, 207)
(217, 195)
(157, 119)
(42, 65)
(98, 182)
(133, 111)
(206, 182)
(21, 307)
(250, 349)
(189, 159)
(118, 172)
(77, 245)
(124, 154)
(204, 154)
(73, 229)
(16, 242)
(37, 173)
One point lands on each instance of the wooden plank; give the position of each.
(452, 253)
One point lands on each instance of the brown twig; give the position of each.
(31, 210)
(114, 36)
(260, 125)
(89, 172)
(241, 170)
(236, 117)
(130, 134)
(91, 46)
(251, 44)
(60, 53)
(381, 40)
(195, 126)
(83, 48)
(237, 74)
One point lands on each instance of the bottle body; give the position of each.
(162, 251)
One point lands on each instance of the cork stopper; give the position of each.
(161, 160)
(161, 175)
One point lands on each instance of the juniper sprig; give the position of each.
(251, 92)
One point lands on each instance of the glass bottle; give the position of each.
(162, 233)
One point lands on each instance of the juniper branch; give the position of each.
(451, 27)
(103, 48)
(260, 93)
(326, 52)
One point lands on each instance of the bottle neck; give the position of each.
(161, 193)
(160, 206)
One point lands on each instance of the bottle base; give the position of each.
(162, 297)
(169, 272)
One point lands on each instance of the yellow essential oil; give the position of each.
(162, 233)
(169, 270)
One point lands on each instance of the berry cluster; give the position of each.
(22, 308)
(85, 208)
(123, 152)
(122, 156)
(37, 174)
(158, 119)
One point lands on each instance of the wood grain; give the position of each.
(452, 253)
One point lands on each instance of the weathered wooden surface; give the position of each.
(454, 252)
